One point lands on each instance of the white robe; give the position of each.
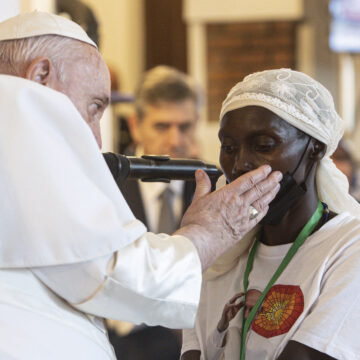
(69, 240)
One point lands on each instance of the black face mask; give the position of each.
(290, 192)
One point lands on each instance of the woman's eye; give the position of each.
(263, 148)
(228, 148)
(264, 144)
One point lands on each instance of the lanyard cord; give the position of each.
(305, 232)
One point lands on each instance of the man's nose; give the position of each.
(242, 162)
(174, 137)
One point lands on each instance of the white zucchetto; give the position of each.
(39, 23)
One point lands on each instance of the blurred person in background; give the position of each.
(167, 104)
(345, 162)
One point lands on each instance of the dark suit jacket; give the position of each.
(148, 343)
(131, 192)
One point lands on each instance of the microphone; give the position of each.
(153, 168)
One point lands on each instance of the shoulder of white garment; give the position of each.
(59, 202)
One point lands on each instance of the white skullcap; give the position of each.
(307, 105)
(38, 23)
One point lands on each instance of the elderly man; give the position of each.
(71, 250)
(167, 106)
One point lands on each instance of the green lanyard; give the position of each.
(305, 232)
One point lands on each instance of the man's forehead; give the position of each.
(39, 23)
(177, 110)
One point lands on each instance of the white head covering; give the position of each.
(59, 203)
(307, 105)
(38, 23)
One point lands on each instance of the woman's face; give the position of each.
(254, 136)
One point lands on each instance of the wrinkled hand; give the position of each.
(230, 310)
(216, 221)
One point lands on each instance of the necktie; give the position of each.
(167, 223)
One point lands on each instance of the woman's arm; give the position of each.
(297, 351)
(191, 355)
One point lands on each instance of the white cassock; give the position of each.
(70, 248)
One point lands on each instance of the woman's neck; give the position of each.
(293, 221)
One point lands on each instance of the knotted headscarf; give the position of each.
(307, 105)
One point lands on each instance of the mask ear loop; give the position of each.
(301, 159)
(303, 184)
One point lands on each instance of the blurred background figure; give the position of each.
(167, 104)
(82, 14)
(345, 162)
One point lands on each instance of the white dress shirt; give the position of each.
(150, 193)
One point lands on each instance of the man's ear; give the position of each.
(135, 128)
(318, 150)
(41, 71)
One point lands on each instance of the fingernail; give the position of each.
(278, 175)
(267, 169)
(198, 175)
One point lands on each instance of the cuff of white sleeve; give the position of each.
(218, 338)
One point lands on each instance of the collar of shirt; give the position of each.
(150, 193)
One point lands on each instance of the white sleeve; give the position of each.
(189, 341)
(215, 345)
(333, 324)
(155, 280)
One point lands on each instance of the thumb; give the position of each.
(203, 184)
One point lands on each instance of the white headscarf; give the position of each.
(307, 105)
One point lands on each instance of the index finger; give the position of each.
(235, 297)
(247, 181)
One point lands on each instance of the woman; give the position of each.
(295, 292)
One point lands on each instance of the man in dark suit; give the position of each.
(167, 104)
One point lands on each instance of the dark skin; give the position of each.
(254, 136)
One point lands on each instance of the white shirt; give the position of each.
(150, 193)
(324, 274)
(66, 231)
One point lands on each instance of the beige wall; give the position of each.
(41, 5)
(240, 10)
(121, 44)
(197, 14)
(121, 31)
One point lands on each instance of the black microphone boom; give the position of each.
(152, 168)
